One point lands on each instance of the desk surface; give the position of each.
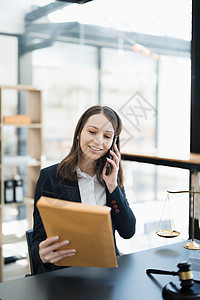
(129, 281)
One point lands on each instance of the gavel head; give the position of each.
(185, 274)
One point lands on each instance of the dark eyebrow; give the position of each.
(92, 126)
(98, 128)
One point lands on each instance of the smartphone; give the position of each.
(108, 167)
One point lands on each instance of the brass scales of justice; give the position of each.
(171, 233)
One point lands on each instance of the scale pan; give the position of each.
(167, 233)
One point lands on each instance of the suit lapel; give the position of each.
(71, 191)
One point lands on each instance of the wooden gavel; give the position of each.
(185, 274)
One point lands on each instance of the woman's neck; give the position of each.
(88, 167)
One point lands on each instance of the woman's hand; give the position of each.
(111, 178)
(49, 253)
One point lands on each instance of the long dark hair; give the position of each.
(68, 166)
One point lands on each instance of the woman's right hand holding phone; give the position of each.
(49, 253)
(111, 178)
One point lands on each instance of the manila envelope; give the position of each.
(88, 228)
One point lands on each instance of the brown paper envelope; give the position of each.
(87, 227)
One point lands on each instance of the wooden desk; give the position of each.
(129, 281)
(190, 162)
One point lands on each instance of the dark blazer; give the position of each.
(50, 184)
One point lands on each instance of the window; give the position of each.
(68, 75)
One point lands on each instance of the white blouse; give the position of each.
(92, 192)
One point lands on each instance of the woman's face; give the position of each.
(96, 137)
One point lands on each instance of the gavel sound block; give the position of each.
(185, 288)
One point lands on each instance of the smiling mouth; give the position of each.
(95, 149)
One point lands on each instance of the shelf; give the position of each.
(27, 201)
(20, 87)
(36, 164)
(12, 238)
(31, 141)
(20, 161)
(31, 125)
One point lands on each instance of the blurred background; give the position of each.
(131, 55)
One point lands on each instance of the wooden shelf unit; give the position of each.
(33, 107)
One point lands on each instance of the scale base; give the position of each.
(192, 245)
(175, 291)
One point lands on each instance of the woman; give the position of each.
(81, 177)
